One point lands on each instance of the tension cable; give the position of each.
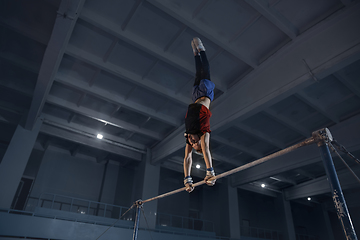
(116, 221)
(348, 167)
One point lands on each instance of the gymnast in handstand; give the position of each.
(197, 119)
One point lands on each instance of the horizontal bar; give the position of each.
(306, 142)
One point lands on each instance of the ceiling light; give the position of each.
(273, 178)
(197, 166)
(309, 198)
(263, 185)
(99, 136)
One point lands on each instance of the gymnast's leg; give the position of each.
(201, 61)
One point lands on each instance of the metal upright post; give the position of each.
(71, 204)
(139, 205)
(53, 200)
(323, 138)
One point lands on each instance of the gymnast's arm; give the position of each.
(205, 142)
(187, 168)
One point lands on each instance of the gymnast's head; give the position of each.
(194, 141)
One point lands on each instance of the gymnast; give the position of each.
(197, 119)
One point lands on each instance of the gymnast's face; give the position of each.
(194, 141)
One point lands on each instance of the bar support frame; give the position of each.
(139, 205)
(323, 138)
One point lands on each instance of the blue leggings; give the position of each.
(202, 68)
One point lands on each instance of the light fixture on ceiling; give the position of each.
(99, 136)
(263, 185)
(309, 198)
(198, 166)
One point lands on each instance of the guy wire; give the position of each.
(334, 149)
(148, 228)
(116, 221)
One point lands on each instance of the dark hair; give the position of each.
(187, 138)
(186, 135)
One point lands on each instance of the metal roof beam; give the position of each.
(20, 62)
(260, 135)
(101, 117)
(346, 2)
(86, 131)
(258, 86)
(317, 106)
(116, 99)
(206, 31)
(321, 185)
(170, 144)
(237, 146)
(222, 159)
(91, 142)
(288, 123)
(125, 74)
(144, 45)
(346, 133)
(348, 83)
(296, 159)
(304, 173)
(130, 16)
(256, 90)
(260, 190)
(33, 34)
(274, 17)
(59, 39)
(283, 179)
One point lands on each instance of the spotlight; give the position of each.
(99, 136)
(263, 185)
(309, 198)
(197, 166)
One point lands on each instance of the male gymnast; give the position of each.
(197, 119)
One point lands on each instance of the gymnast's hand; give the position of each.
(209, 174)
(188, 184)
(189, 187)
